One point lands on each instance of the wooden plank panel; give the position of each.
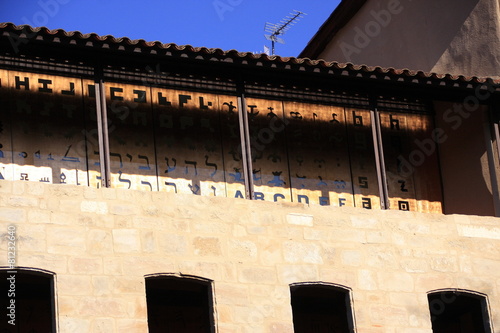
(131, 137)
(319, 154)
(269, 155)
(198, 143)
(91, 132)
(396, 129)
(361, 151)
(412, 174)
(48, 129)
(6, 158)
(426, 176)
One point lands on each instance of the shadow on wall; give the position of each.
(400, 34)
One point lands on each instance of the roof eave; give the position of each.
(344, 12)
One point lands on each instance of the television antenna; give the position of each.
(278, 29)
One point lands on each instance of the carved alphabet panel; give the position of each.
(47, 129)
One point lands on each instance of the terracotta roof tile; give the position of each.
(234, 54)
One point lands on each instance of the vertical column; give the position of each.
(379, 158)
(245, 142)
(493, 139)
(102, 128)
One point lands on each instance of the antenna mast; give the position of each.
(278, 29)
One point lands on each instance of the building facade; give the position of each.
(460, 38)
(150, 186)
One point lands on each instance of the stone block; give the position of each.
(12, 215)
(241, 249)
(123, 208)
(395, 281)
(447, 264)
(408, 300)
(427, 282)
(257, 275)
(70, 205)
(140, 265)
(364, 222)
(126, 241)
(74, 285)
(206, 270)
(207, 246)
(85, 265)
(66, 240)
(232, 294)
(128, 285)
(74, 324)
(297, 273)
(112, 266)
(148, 241)
(97, 207)
(50, 262)
(101, 307)
(367, 280)
(101, 285)
(211, 227)
(392, 316)
(351, 257)
(302, 252)
(103, 325)
(172, 244)
(39, 216)
(411, 265)
(475, 231)
(100, 241)
(132, 325)
(300, 219)
(22, 201)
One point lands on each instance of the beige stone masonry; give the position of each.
(101, 243)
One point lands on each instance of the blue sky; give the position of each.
(224, 24)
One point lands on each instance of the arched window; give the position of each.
(28, 297)
(179, 304)
(459, 311)
(321, 308)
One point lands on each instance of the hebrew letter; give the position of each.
(202, 104)
(119, 156)
(148, 184)
(321, 182)
(163, 100)
(141, 167)
(170, 169)
(394, 123)
(195, 189)
(213, 165)
(358, 120)
(193, 163)
(403, 185)
(66, 158)
(183, 99)
(230, 106)
(124, 180)
(172, 184)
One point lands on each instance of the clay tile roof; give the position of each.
(207, 53)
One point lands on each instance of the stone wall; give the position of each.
(100, 243)
(457, 37)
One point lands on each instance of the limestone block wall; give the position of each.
(101, 243)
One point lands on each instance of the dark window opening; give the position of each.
(458, 312)
(180, 305)
(28, 302)
(321, 309)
